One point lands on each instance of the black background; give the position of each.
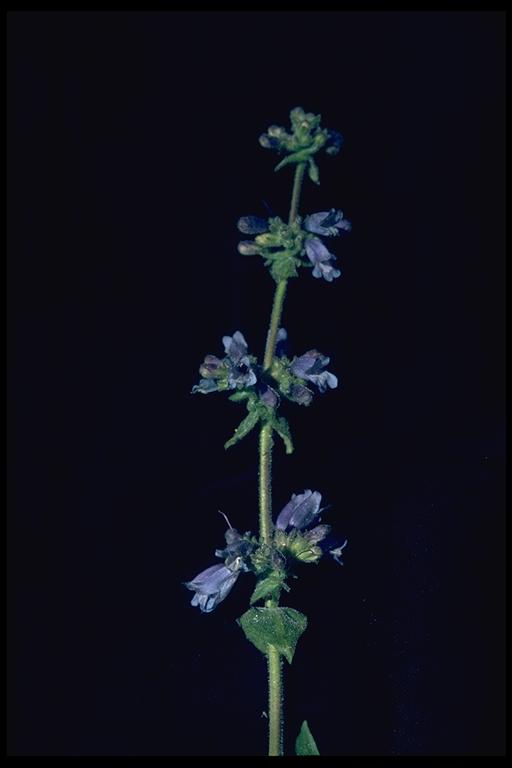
(131, 151)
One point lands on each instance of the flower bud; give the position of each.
(276, 132)
(268, 142)
(267, 239)
(318, 533)
(252, 225)
(335, 142)
(248, 248)
(211, 367)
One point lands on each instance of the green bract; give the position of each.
(259, 413)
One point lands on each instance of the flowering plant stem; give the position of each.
(275, 683)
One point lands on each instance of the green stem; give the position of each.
(297, 186)
(275, 319)
(275, 684)
(279, 296)
(265, 493)
(275, 702)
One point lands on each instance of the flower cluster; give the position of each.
(285, 247)
(305, 140)
(294, 540)
(281, 245)
(294, 375)
(294, 534)
(288, 377)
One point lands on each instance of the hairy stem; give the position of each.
(275, 683)
(265, 493)
(297, 186)
(275, 702)
(279, 296)
(275, 319)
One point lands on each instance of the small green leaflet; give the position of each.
(243, 428)
(301, 156)
(282, 428)
(305, 743)
(279, 627)
(268, 587)
(313, 171)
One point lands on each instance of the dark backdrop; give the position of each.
(132, 149)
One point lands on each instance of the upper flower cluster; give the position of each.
(288, 246)
(306, 138)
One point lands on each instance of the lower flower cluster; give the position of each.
(295, 539)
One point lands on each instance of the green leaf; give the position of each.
(282, 428)
(313, 172)
(279, 627)
(305, 743)
(296, 157)
(267, 587)
(243, 428)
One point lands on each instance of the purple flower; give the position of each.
(235, 347)
(300, 511)
(321, 259)
(212, 586)
(233, 372)
(269, 396)
(327, 223)
(301, 395)
(237, 550)
(309, 367)
(252, 225)
(240, 371)
(317, 534)
(334, 143)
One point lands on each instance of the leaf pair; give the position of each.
(259, 412)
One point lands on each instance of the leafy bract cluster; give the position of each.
(260, 389)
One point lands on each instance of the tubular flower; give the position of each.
(234, 371)
(300, 510)
(212, 586)
(309, 367)
(322, 259)
(327, 223)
